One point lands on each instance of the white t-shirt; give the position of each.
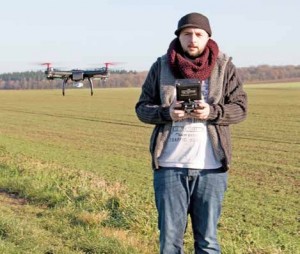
(189, 145)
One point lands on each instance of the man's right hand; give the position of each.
(176, 113)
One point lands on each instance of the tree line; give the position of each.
(123, 78)
(267, 73)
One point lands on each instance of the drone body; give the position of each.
(77, 75)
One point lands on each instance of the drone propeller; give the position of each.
(50, 65)
(47, 64)
(113, 63)
(107, 64)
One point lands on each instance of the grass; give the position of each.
(75, 174)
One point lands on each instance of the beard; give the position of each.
(192, 56)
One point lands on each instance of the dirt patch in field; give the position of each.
(11, 199)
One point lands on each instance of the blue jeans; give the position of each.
(182, 191)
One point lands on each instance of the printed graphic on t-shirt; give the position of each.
(186, 133)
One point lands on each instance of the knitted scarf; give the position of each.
(199, 68)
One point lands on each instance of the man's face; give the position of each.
(193, 41)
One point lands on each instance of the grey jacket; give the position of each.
(227, 99)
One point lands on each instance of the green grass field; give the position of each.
(75, 174)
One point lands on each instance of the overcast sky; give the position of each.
(82, 34)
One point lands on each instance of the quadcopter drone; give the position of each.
(77, 75)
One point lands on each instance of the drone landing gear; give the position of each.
(65, 81)
(91, 86)
(64, 85)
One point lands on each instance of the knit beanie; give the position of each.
(193, 20)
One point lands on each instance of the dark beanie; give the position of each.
(193, 20)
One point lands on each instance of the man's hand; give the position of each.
(201, 112)
(177, 114)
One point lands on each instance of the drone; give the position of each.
(77, 75)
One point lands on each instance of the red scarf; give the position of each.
(200, 68)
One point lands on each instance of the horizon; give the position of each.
(252, 66)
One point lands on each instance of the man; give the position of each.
(191, 150)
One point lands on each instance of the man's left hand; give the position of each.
(201, 112)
